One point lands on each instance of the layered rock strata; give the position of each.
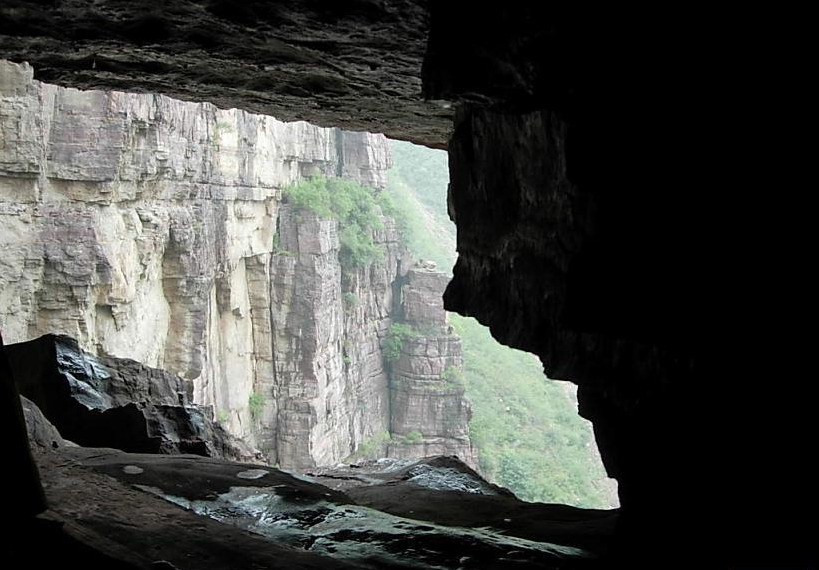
(429, 412)
(331, 385)
(153, 229)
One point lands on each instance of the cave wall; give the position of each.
(154, 229)
(350, 64)
(609, 189)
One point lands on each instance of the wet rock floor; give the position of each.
(155, 511)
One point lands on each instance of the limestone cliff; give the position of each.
(331, 386)
(154, 229)
(429, 413)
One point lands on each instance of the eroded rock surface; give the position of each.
(275, 519)
(446, 491)
(429, 414)
(111, 509)
(355, 64)
(111, 402)
(331, 385)
(153, 229)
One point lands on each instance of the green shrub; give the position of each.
(374, 446)
(222, 416)
(255, 403)
(357, 208)
(394, 341)
(414, 437)
(452, 373)
(350, 300)
(453, 378)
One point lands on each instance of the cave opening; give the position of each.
(622, 182)
(191, 280)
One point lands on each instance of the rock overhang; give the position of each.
(621, 317)
(354, 65)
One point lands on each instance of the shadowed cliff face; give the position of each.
(606, 220)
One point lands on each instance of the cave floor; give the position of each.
(110, 509)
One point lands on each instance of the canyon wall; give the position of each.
(154, 229)
(622, 195)
(427, 395)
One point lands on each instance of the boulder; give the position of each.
(113, 402)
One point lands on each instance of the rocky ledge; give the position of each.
(112, 509)
(351, 64)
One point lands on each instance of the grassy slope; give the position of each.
(526, 428)
(425, 234)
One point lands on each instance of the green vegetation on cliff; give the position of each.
(255, 403)
(417, 185)
(529, 436)
(357, 208)
(394, 341)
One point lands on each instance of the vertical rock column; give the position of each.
(429, 414)
(306, 303)
(330, 386)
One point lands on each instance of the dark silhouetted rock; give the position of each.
(113, 402)
(41, 432)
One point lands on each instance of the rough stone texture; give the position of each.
(153, 229)
(111, 402)
(353, 64)
(693, 252)
(100, 522)
(123, 510)
(429, 414)
(144, 226)
(422, 303)
(444, 490)
(332, 393)
(332, 390)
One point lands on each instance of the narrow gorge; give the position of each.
(157, 230)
